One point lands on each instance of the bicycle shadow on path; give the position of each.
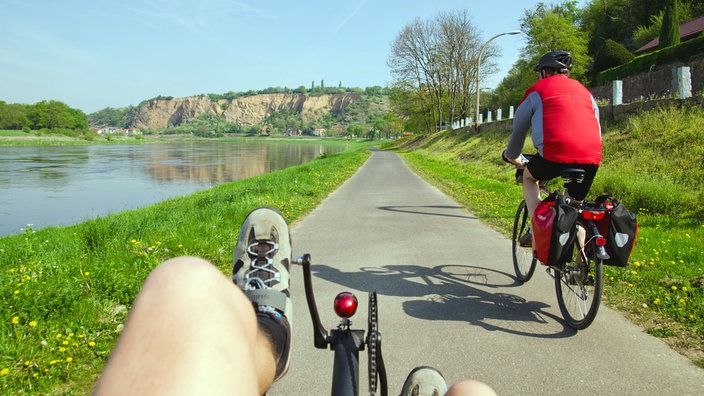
(426, 210)
(455, 292)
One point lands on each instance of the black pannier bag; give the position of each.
(620, 228)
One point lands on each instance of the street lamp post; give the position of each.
(479, 62)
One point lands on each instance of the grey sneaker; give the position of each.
(261, 268)
(424, 381)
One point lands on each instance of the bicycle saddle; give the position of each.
(573, 175)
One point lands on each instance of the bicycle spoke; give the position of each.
(523, 261)
(578, 286)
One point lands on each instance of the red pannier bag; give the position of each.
(554, 229)
(620, 228)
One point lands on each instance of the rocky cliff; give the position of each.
(245, 111)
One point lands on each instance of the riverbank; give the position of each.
(34, 138)
(68, 289)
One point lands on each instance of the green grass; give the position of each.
(66, 291)
(653, 164)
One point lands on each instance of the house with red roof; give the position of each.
(688, 30)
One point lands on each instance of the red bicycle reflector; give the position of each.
(345, 304)
(593, 215)
(601, 241)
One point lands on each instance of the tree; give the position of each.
(670, 30)
(436, 60)
(547, 28)
(556, 28)
(13, 116)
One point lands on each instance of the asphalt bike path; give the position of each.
(448, 299)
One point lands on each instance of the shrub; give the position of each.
(613, 54)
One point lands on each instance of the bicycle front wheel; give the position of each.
(523, 260)
(578, 285)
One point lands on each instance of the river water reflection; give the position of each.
(63, 185)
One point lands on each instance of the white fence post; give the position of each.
(498, 115)
(684, 82)
(617, 93)
(488, 116)
(510, 112)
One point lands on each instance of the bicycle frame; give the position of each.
(578, 281)
(346, 342)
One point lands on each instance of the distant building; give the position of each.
(319, 132)
(293, 132)
(688, 30)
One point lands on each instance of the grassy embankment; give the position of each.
(654, 164)
(66, 290)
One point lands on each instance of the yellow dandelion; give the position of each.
(27, 362)
(33, 323)
(674, 288)
(681, 300)
(69, 359)
(16, 292)
(86, 273)
(35, 375)
(65, 342)
(5, 371)
(656, 301)
(62, 349)
(15, 320)
(91, 344)
(634, 272)
(684, 288)
(630, 285)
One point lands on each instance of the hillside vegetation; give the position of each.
(653, 164)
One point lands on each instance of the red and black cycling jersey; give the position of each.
(565, 121)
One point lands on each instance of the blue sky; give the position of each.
(91, 54)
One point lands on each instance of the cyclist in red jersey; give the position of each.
(565, 129)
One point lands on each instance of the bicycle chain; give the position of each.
(372, 343)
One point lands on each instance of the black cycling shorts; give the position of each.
(545, 170)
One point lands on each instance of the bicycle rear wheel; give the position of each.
(578, 285)
(523, 260)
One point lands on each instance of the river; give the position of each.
(63, 185)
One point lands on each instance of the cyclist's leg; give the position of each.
(538, 169)
(190, 331)
(531, 191)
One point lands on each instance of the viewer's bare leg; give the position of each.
(191, 331)
(470, 388)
